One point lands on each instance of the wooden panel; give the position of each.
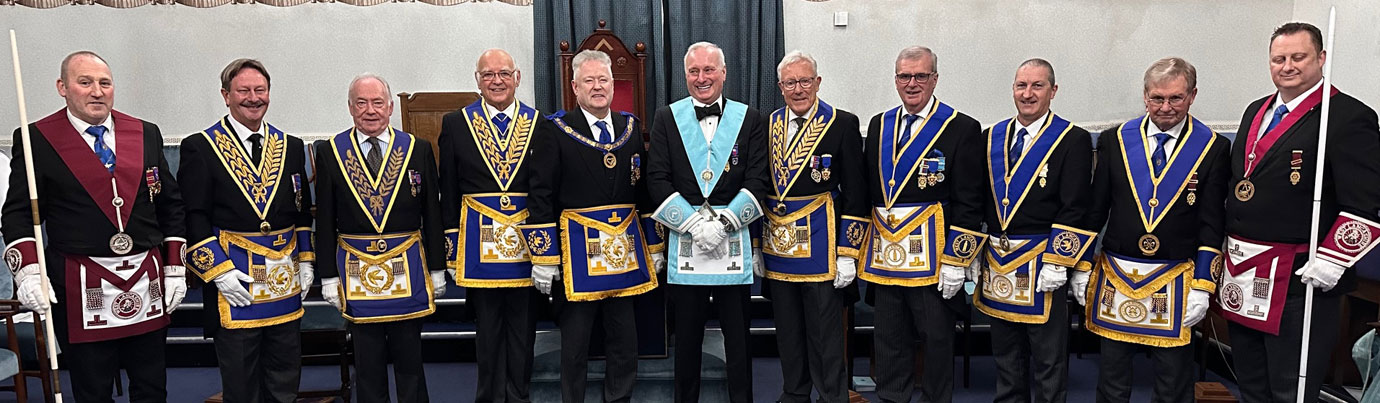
(422, 113)
(629, 72)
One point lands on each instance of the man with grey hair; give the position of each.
(924, 162)
(484, 182)
(584, 228)
(1164, 216)
(708, 173)
(1036, 205)
(374, 233)
(818, 182)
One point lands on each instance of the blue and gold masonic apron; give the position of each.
(488, 249)
(383, 275)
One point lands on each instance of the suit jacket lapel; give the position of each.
(1289, 134)
(576, 120)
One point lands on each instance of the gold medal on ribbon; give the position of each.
(609, 160)
(1149, 244)
(121, 243)
(1245, 190)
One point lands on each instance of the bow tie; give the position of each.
(702, 112)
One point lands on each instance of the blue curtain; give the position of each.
(750, 32)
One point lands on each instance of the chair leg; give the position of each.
(21, 387)
(45, 369)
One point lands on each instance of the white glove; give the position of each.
(1320, 274)
(659, 262)
(174, 287)
(847, 271)
(438, 283)
(1052, 276)
(974, 270)
(306, 274)
(1197, 307)
(231, 288)
(950, 280)
(759, 266)
(1079, 287)
(29, 290)
(687, 226)
(330, 291)
(708, 235)
(543, 275)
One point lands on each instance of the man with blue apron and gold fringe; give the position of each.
(708, 171)
(484, 150)
(1162, 179)
(924, 165)
(584, 234)
(249, 214)
(809, 258)
(379, 216)
(1039, 172)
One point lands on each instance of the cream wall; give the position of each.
(167, 59)
(1100, 50)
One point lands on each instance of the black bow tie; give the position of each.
(702, 112)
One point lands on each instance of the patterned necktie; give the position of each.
(1279, 115)
(905, 133)
(375, 157)
(1017, 147)
(604, 136)
(257, 148)
(107, 157)
(1157, 157)
(501, 122)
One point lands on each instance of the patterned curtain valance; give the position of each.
(218, 3)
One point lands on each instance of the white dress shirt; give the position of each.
(244, 132)
(384, 138)
(792, 128)
(594, 130)
(1151, 130)
(510, 112)
(1030, 131)
(81, 126)
(914, 127)
(710, 124)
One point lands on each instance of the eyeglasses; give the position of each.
(362, 104)
(804, 83)
(504, 75)
(1176, 100)
(903, 78)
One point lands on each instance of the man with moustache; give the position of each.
(1161, 178)
(1040, 169)
(249, 211)
(584, 235)
(924, 164)
(708, 173)
(1274, 162)
(484, 179)
(378, 221)
(809, 256)
(115, 223)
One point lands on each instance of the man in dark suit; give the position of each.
(810, 260)
(1162, 178)
(484, 178)
(709, 174)
(249, 211)
(378, 223)
(924, 170)
(115, 227)
(584, 236)
(1274, 162)
(1040, 171)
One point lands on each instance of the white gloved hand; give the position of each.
(659, 262)
(1079, 287)
(687, 226)
(1052, 276)
(847, 271)
(1196, 308)
(330, 291)
(438, 283)
(306, 274)
(708, 235)
(174, 287)
(543, 275)
(974, 270)
(29, 290)
(231, 287)
(951, 280)
(759, 266)
(1320, 274)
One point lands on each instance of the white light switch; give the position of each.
(841, 18)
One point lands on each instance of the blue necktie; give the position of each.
(1279, 115)
(905, 134)
(107, 157)
(604, 136)
(1157, 157)
(501, 122)
(1017, 147)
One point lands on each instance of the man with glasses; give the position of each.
(484, 182)
(924, 164)
(1162, 179)
(1036, 205)
(810, 243)
(377, 217)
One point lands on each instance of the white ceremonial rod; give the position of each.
(1317, 201)
(38, 225)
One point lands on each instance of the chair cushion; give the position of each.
(9, 364)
